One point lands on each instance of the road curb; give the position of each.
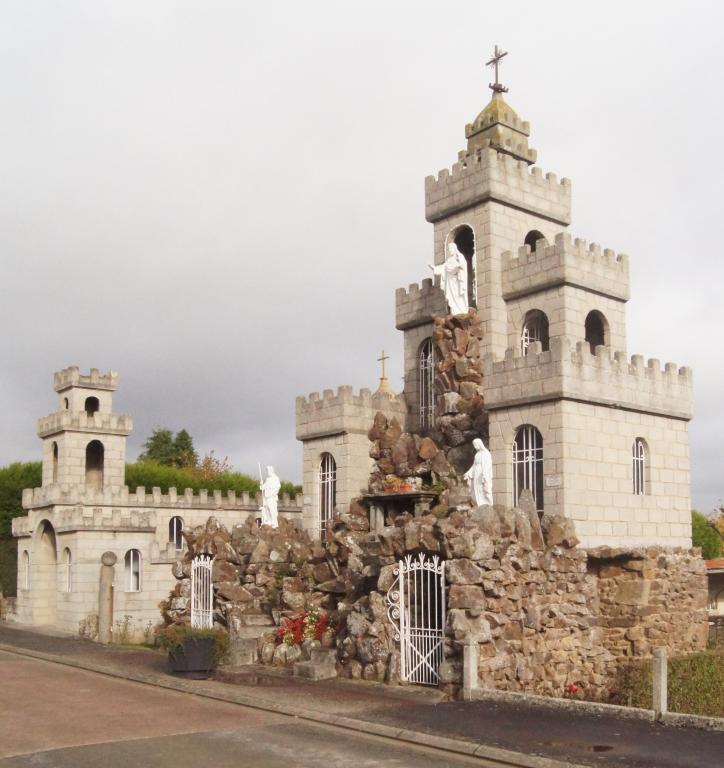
(703, 722)
(501, 757)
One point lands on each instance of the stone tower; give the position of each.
(84, 442)
(490, 203)
(596, 436)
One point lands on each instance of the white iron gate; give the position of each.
(202, 592)
(417, 608)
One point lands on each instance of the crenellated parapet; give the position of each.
(565, 262)
(569, 370)
(62, 495)
(343, 411)
(419, 304)
(483, 174)
(79, 421)
(72, 377)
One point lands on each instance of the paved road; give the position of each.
(530, 728)
(57, 716)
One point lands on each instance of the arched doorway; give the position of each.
(44, 583)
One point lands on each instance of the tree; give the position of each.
(706, 536)
(159, 448)
(13, 479)
(183, 448)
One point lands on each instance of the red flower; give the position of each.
(571, 688)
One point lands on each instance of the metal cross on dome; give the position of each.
(498, 54)
(382, 359)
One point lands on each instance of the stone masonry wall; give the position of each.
(543, 611)
(650, 597)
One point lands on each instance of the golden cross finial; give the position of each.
(496, 87)
(384, 384)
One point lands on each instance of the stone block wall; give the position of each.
(588, 470)
(497, 228)
(650, 597)
(566, 308)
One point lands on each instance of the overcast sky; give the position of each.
(218, 199)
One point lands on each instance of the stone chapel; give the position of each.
(83, 509)
(595, 435)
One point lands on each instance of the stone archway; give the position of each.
(44, 580)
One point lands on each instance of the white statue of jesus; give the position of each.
(480, 475)
(454, 279)
(270, 498)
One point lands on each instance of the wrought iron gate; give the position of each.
(202, 592)
(417, 609)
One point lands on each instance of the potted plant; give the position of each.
(193, 653)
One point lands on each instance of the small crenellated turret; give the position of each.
(84, 442)
(566, 262)
(419, 304)
(483, 174)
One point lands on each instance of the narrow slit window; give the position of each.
(67, 571)
(639, 467)
(426, 380)
(132, 564)
(175, 532)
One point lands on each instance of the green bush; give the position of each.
(696, 684)
(706, 536)
(150, 474)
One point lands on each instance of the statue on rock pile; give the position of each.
(453, 275)
(270, 498)
(480, 476)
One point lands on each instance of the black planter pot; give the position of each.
(193, 659)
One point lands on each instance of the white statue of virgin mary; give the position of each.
(480, 475)
(453, 275)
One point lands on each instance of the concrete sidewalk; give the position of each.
(498, 730)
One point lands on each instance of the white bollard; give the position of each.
(660, 675)
(471, 662)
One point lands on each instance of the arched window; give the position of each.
(639, 461)
(532, 238)
(426, 373)
(327, 490)
(67, 573)
(535, 328)
(132, 566)
(55, 462)
(91, 405)
(464, 238)
(528, 464)
(94, 459)
(175, 527)
(595, 329)
(26, 570)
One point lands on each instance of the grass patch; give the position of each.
(696, 684)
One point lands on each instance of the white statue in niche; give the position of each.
(270, 498)
(480, 476)
(454, 279)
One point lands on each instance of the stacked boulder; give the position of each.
(517, 587)
(445, 452)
